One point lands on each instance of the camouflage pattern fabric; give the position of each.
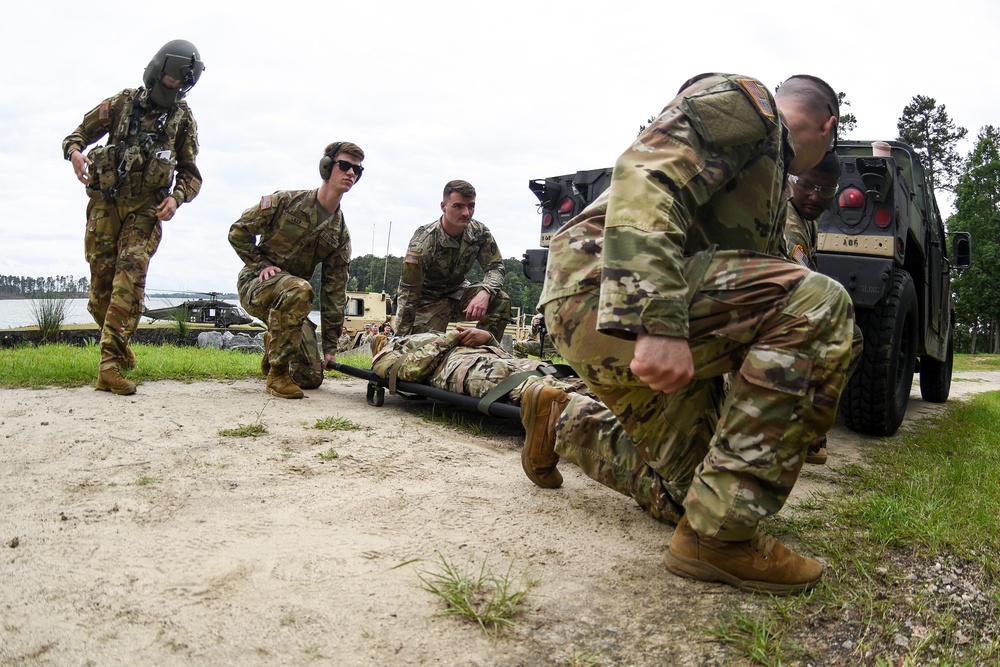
(432, 287)
(296, 234)
(344, 343)
(439, 360)
(122, 231)
(678, 246)
(801, 238)
(283, 301)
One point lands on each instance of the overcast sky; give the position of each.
(496, 93)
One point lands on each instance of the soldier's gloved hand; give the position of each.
(663, 362)
(477, 307)
(81, 166)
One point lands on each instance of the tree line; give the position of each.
(29, 286)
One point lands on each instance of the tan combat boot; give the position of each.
(759, 565)
(265, 363)
(281, 384)
(540, 409)
(129, 362)
(817, 451)
(113, 381)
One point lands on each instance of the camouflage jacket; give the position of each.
(163, 142)
(707, 174)
(439, 360)
(344, 342)
(436, 264)
(296, 234)
(801, 238)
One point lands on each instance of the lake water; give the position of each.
(18, 312)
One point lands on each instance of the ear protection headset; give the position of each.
(326, 163)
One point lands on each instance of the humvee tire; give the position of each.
(876, 396)
(935, 376)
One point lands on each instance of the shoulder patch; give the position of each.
(265, 202)
(799, 255)
(411, 258)
(104, 112)
(759, 96)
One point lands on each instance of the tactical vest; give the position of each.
(140, 158)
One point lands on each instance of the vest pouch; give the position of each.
(104, 167)
(159, 171)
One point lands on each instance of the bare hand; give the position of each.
(477, 307)
(268, 273)
(663, 362)
(81, 166)
(329, 360)
(473, 337)
(167, 208)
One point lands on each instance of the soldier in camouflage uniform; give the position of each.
(151, 136)
(298, 230)
(464, 361)
(433, 290)
(532, 345)
(345, 340)
(673, 275)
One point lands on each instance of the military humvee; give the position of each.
(365, 308)
(884, 241)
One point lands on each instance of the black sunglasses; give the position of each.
(346, 166)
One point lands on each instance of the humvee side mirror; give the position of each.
(533, 264)
(962, 242)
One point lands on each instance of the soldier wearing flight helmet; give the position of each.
(145, 170)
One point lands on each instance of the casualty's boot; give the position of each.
(817, 451)
(281, 384)
(129, 362)
(265, 363)
(541, 406)
(759, 565)
(112, 380)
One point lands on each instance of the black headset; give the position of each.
(326, 163)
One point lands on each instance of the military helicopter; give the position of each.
(202, 311)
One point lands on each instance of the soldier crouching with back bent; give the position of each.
(670, 277)
(151, 137)
(281, 240)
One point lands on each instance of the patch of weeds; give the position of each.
(251, 430)
(146, 480)
(49, 315)
(493, 601)
(260, 650)
(329, 455)
(313, 652)
(244, 430)
(471, 424)
(288, 620)
(287, 453)
(337, 424)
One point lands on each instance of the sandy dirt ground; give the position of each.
(134, 533)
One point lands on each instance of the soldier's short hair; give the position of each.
(346, 147)
(811, 93)
(463, 188)
(830, 164)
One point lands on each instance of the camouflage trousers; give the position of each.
(785, 330)
(532, 347)
(121, 237)
(433, 312)
(284, 301)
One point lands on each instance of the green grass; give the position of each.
(492, 601)
(62, 365)
(977, 362)
(336, 424)
(329, 455)
(244, 430)
(906, 536)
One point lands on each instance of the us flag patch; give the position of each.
(104, 112)
(759, 96)
(799, 255)
(412, 258)
(265, 202)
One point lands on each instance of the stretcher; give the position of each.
(487, 404)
